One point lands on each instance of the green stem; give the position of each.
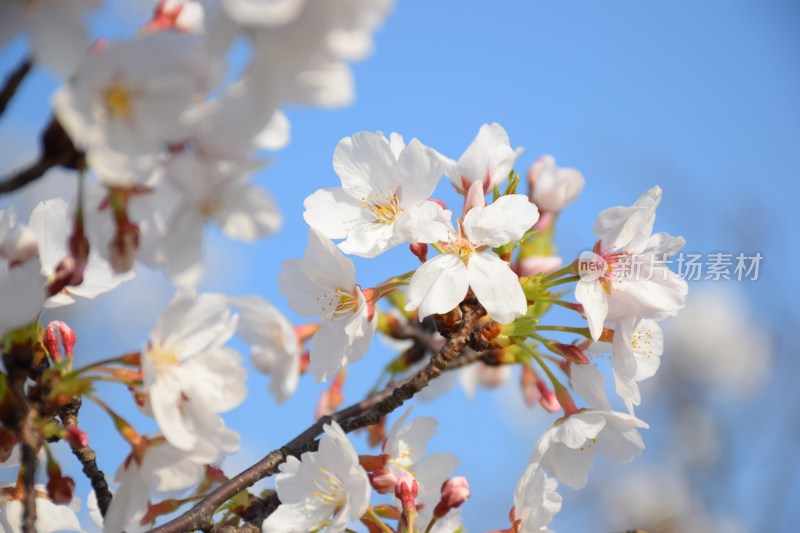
(568, 279)
(566, 329)
(438, 248)
(375, 519)
(553, 379)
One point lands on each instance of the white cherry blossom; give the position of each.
(406, 446)
(488, 159)
(630, 277)
(535, 501)
(274, 346)
(208, 189)
(566, 450)
(50, 517)
(328, 484)
(441, 283)
(323, 285)
(383, 181)
(188, 375)
(124, 103)
(553, 187)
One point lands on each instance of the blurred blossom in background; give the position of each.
(698, 97)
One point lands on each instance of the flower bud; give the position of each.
(60, 489)
(455, 491)
(539, 264)
(548, 399)
(383, 481)
(331, 398)
(406, 491)
(420, 250)
(475, 197)
(76, 438)
(50, 340)
(552, 188)
(572, 353)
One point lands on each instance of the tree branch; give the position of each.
(57, 150)
(30, 441)
(364, 413)
(87, 457)
(13, 82)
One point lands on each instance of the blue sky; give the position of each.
(699, 97)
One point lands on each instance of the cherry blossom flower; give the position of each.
(488, 159)
(56, 30)
(553, 187)
(50, 517)
(163, 468)
(274, 346)
(406, 445)
(567, 449)
(535, 501)
(328, 484)
(188, 375)
(441, 283)
(382, 180)
(124, 103)
(630, 277)
(636, 355)
(322, 284)
(210, 190)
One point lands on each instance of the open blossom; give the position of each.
(274, 346)
(188, 375)
(406, 447)
(567, 449)
(163, 469)
(441, 283)
(384, 185)
(50, 517)
(553, 187)
(636, 355)
(124, 103)
(328, 485)
(489, 159)
(630, 277)
(323, 285)
(215, 190)
(535, 501)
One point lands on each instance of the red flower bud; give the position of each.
(455, 491)
(383, 481)
(76, 437)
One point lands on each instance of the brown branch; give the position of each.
(87, 457)
(57, 150)
(356, 416)
(13, 82)
(30, 440)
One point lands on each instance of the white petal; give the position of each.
(496, 287)
(333, 212)
(504, 221)
(438, 286)
(595, 305)
(248, 215)
(363, 162)
(417, 173)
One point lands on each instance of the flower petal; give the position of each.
(496, 287)
(438, 286)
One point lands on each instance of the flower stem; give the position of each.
(569, 269)
(532, 353)
(568, 279)
(375, 519)
(566, 329)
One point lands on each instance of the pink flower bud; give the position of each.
(572, 353)
(455, 491)
(475, 197)
(50, 340)
(383, 481)
(406, 490)
(76, 437)
(122, 248)
(548, 400)
(420, 250)
(539, 264)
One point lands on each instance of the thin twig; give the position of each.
(30, 441)
(13, 82)
(87, 457)
(356, 416)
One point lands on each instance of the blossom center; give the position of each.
(642, 342)
(330, 488)
(383, 205)
(338, 303)
(119, 100)
(404, 459)
(460, 247)
(163, 357)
